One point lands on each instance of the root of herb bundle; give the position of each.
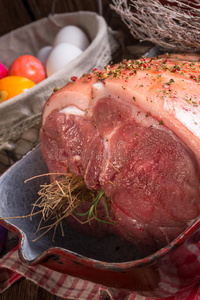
(62, 198)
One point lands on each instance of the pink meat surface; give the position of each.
(132, 130)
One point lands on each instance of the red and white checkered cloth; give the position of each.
(65, 286)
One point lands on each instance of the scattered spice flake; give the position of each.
(123, 87)
(176, 68)
(74, 78)
(55, 89)
(184, 108)
(195, 104)
(160, 122)
(89, 76)
(193, 77)
(192, 65)
(191, 101)
(104, 76)
(170, 81)
(134, 99)
(147, 114)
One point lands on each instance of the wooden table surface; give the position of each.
(26, 290)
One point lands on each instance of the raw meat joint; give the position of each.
(133, 131)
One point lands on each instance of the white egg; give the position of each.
(43, 54)
(73, 35)
(60, 56)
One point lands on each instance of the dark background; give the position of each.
(16, 13)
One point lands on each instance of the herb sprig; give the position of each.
(92, 212)
(62, 197)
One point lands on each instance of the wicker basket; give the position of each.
(20, 116)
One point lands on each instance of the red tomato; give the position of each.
(28, 66)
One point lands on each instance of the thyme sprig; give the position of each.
(92, 212)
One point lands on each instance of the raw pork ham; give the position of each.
(133, 131)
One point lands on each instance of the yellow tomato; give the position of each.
(11, 86)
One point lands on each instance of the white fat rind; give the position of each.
(72, 110)
(60, 100)
(98, 86)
